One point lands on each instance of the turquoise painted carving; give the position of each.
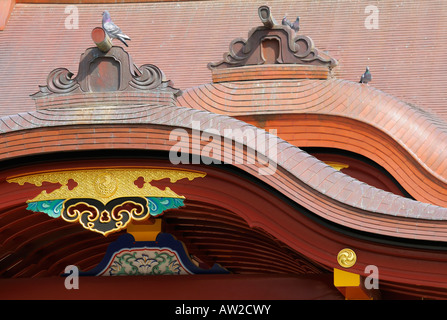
(105, 200)
(158, 205)
(113, 216)
(52, 208)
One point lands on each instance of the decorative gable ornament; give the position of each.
(106, 77)
(106, 200)
(272, 49)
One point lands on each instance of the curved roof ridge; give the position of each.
(293, 163)
(398, 119)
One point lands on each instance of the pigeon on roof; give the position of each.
(366, 77)
(295, 25)
(112, 30)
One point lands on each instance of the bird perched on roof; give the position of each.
(294, 26)
(366, 77)
(112, 30)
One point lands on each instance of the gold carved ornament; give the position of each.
(337, 165)
(346, 258)
(106, 200)
(106, 184)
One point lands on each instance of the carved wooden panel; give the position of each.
(101, 72)
(104, 75)
(273, 43)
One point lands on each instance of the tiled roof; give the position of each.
(407, 141)
(406, 53)
(319, 192)
(48, 130)
(316, 201)
(299, 176)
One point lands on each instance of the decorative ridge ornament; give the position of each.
(266, 17)
(273, 44)
(105, 200)
(104, 72)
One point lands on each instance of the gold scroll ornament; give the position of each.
(106, 184)
(122, 193)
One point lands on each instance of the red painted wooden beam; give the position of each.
(214, 287)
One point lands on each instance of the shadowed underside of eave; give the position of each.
(34, 245)
(228, 218)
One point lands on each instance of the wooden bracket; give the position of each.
(352, 286)
(145, 230)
